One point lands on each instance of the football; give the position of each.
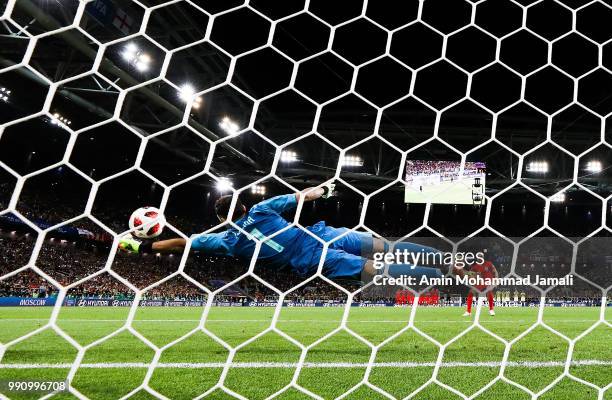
(147, 222)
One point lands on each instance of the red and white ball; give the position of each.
(147, 222)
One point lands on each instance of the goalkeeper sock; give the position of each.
(397, 270)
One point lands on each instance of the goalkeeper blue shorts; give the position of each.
(343, 258)
(356, 243)
(340, 264)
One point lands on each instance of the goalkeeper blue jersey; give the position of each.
(292, 247)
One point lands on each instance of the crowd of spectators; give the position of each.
(15, 251)
(424, 168)
(26, 284)
(444, 170)
(70, 259)
(68, 262)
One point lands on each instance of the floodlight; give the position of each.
(351, 161)
(186, 92)
(229, 126)
(130, 51)
(540, 167)
(58, 119)
(594, 166)
(258, 189)
(288, 156)
(136, 57)
(224, 185)
(4, 94)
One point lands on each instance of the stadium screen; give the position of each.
(444, 182)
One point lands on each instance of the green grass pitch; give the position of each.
(118, 365)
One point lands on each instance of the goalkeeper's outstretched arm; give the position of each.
(176, 245)
(170, 245)
(313, 193)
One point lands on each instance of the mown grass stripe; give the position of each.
(488, 364)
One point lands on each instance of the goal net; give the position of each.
(475, 127)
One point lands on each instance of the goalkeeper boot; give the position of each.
(466, 314)
(491, 312)
(129, 244)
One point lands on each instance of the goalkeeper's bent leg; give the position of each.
(430, 254)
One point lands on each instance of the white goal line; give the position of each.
(488, 364)
(365, 321)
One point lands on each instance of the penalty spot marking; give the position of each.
(487, 364)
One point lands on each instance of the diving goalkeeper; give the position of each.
(348, 257)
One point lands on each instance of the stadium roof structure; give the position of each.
(179, 29)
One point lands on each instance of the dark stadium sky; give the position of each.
(439, 75)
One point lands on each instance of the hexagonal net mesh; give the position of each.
(150, 96)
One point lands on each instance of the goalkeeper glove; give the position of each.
(328, 190)
(129, 244)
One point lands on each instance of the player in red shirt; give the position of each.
(487, 271)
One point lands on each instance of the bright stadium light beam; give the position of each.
(143, 62)
(594, 166)
(351, 161)
(186, 92)
(228, 125)
(558, 198)
(288, 156)
(538, 167)
(130, 52)
(224, 185)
